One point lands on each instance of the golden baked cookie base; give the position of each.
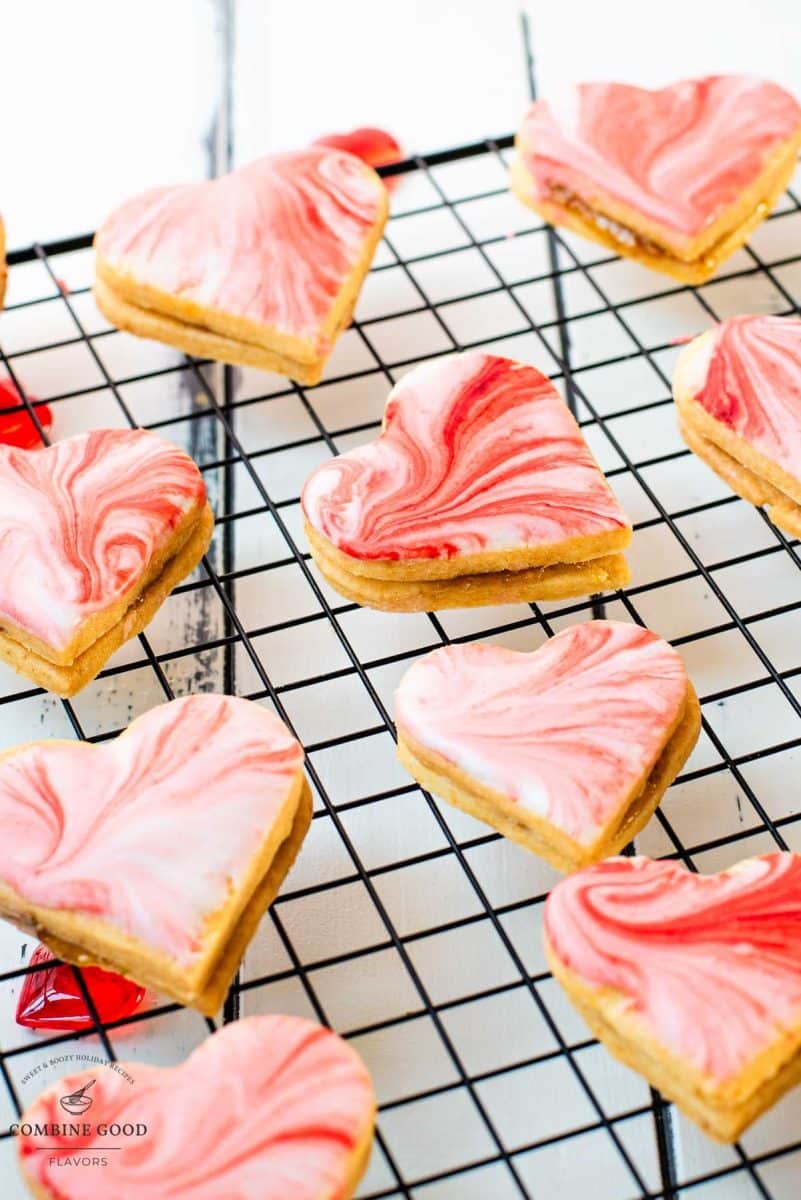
(433, 772)
(744, 218)
(747, 472)
(146, 311)
(200, 342)
(722, 1110)
(782, 511)
(90, 630)
(358, 1162)
(87, 941)
(571, 551)
(556, 581)
(66, 680)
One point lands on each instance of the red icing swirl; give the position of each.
(711, 965)
(478, 453)
(752, 384)
(149, 832)
(273, 242)
(81, 521)
(679, 156)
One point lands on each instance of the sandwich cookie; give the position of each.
(566, 750)
(737, 389)
(676, 178)
(261, 268)
(480, 489)
(155, 855)
(692, 980)
(95, 532)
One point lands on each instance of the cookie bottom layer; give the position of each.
(358, 1162)
(781, 508)
(536, 833)
(723, 1111)
(630, 244)
(67, 680)
(207, 997)
(559, 581)
(200, 342)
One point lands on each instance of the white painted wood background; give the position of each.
(102, 97)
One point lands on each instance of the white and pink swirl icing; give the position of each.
(679, 156)
(268, 1108)
(148, 832)
(711, 965)
(568, 732)
(273, 242)
(478, 453)
(80, 522)
(747, 375)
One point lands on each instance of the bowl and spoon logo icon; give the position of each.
(78, 1102)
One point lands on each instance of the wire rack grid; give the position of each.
(407, 926)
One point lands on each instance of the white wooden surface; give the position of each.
(103, 98)
(110, 98)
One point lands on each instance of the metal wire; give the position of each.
(216, 397)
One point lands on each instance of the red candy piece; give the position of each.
(17, 428)
(52, 999)
(374, 146)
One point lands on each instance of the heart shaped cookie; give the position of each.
(567, 750)
(479, 490)
(155, 855)
(290, 1104)
(692, 980)
(738, 393)
(95, 532)
(261, 267)
(675, 178)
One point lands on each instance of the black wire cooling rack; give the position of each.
(488, 1086)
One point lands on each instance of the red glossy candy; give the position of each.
(51, 998)
(374, 146)
(17, 428)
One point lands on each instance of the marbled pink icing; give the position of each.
(752, 384)
(478, 453)
(567, 731)
(679, 156)
(148, 832)
(268, 1108)
(273, 242)
(81, 521)
(711, 964)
